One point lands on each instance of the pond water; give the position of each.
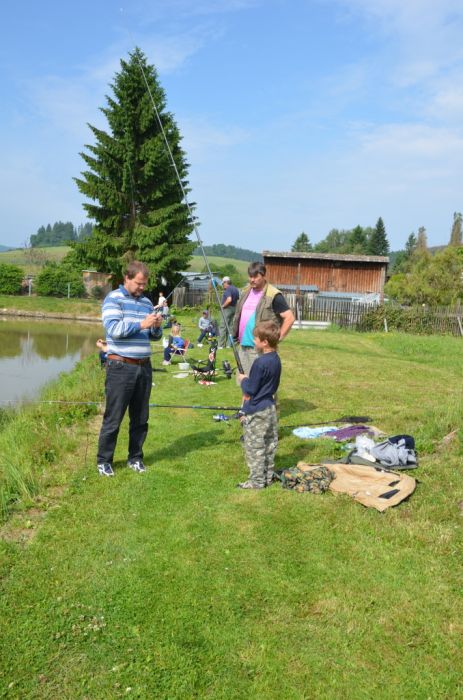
(34, 352)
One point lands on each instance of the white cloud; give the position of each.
(425, 35)
(201, 138)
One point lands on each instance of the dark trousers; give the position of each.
(127, 386)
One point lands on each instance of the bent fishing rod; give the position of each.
(190, 213)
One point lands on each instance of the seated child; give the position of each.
(175, 344)
(207, 327)
(260, 421)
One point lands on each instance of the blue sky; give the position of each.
(303, 115)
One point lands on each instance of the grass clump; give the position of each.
(174, 584)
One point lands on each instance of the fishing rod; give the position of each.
(151, 405)
(190, 212)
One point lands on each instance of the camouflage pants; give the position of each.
(260, 443)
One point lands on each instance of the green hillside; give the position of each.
(197, 264)
(33, 259)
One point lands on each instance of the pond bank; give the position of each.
(49, 314)
(38, 439)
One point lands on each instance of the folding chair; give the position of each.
(205, 369)
(181, 351)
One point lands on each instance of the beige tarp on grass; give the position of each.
(373, 487)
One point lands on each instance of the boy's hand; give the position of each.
(242, 376)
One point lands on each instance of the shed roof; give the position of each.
(328, 256)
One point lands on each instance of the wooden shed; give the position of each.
(328, 272)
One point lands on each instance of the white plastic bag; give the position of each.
(364, 446)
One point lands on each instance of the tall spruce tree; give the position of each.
(378, 243)
(137, 204)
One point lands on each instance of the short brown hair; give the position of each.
(134, 267)
(269, 331)
(257, 268)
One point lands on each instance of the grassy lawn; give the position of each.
(174, 584)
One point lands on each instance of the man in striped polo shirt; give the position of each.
(130, 323)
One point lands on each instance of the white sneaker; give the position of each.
(200, 345)
(221, 347)
(166, 362)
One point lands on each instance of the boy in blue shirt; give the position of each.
(260, 421)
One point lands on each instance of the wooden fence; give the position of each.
(183, 296)
(342, 312)
(350, 314)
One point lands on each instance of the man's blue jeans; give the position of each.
(127, 387)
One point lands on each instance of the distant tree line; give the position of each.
(59, 234)
(356, 241)
(221, 250)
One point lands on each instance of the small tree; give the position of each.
(11, 277)
(302, 244)
(403, 258)
(421, 241)
(378, 243)
(358, 240)
(456, 234)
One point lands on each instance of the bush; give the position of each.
(11, 278)
(54, 279)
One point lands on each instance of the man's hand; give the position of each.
(151, 321)
(242, 376)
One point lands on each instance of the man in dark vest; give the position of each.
(259, 301)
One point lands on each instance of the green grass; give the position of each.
(173, 584)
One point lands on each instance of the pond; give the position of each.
(34, 352)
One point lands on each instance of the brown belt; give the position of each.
(129, 360)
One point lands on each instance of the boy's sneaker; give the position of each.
(166, 362)
(249, 485)
(137, 465)
(105, 469)
(200, 345)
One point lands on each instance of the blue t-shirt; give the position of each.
(262, 383)
(178, 342)
(232, 292)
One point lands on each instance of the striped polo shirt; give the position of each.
(122, 314)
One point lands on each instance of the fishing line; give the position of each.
(190, 211)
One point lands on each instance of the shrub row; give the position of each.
(55, 280)
(413, 319)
